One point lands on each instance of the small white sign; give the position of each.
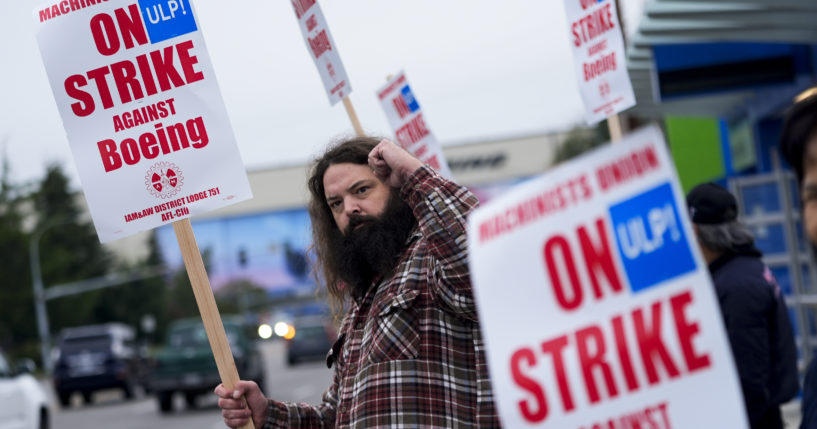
(142, 110)
(322, 49)
(596, 306)
(406, 119)
(599, 57)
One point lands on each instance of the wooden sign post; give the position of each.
(206, 301)
(207, 306)
(614, 127)
(350, 110)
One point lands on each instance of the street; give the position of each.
(302, 383)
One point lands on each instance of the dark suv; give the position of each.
(186, 364)
(313, 338)
(96, 357)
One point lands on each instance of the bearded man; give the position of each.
(390, 237)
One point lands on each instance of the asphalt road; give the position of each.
(302, 383)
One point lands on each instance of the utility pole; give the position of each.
(41, 295)
(39, 291)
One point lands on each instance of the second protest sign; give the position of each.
(406, 119)
(596, 305)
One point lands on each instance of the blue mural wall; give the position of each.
(268, 249)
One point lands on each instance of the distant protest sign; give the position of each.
(142, 110)
(322, 49)
(597, 308)
(410, 128)
(599, 57)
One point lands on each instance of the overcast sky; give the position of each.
(479, 69)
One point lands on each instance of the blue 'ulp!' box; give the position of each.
(651, 239)
(408, 97)
(165, 19)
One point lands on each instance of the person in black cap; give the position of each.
(798, 144)
(751, 303)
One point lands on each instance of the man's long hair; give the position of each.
(355, 151)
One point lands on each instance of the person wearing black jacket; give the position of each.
(798, 144)
(751, 303)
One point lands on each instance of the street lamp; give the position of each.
(39, 291)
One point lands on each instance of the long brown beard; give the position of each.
(371, 245)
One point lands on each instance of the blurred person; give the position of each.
(390, 237)
(751, 303)
(798, 144)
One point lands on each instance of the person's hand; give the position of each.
(234, 404)
(392, 164)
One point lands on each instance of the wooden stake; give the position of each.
(207, 306)
(350, 110)
(614, 127)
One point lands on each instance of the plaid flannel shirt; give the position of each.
(410, 352)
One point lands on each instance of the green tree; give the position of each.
(580, 140)
(130, 302)
(18, 327)
(241, 295)
(180, 302)
(69, 250)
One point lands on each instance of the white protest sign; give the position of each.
(598, 54)
(322, 49)
(596, 306)
(406, 119)
(142, 110)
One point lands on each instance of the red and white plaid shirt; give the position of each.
(410, 352)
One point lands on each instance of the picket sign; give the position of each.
(322, 49)
(324, 52)
(147, 126)
(597, 43)
(595, 303)
(410, 128)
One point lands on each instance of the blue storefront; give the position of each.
(718, 76)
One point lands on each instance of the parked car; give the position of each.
(23, 403)
(97, 357)
(186, 365)
(313, 338)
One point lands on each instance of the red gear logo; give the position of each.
(164, 180)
